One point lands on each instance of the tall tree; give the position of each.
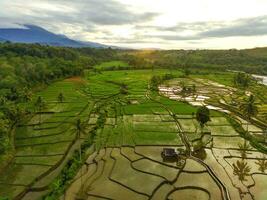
(249, 108)
(265, 135)
(4, 140)
(40, 105)
(242, 79)
(80, 128)
(243, 148)
(241, 169)
(262, 163)
(14, 113)
(202, 116)
(194, 89)
(25, 95)
(123, 89)
(60, 97)
(155, 81)
(3, 100)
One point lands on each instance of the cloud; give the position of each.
(243, 27)
(183, 26)
(113, 21)
(193, 32)
(93, 12)
(255, 26)
(109, 12)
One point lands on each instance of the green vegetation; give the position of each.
(242, 79)
(241, 169)
(89, 119)
(156, 80)
(112, 65)
(249, 60)
(262, 164)
(249, 108)
(60, 98)
(203, 116)
(27, 68)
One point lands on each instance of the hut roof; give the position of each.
(169, 152)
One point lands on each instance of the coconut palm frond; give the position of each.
(249, 108)
(241, 169)
(262, 164)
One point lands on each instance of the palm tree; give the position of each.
(80, 128)
(183, 90)
(249, 108)
(123, 89)
(4, 140)
(14, 114)
(60, 97)
(242, 79)
(265, 135)
(243, 148)
(241, 169)
(262, 164)
(26, 95)
(202, 116)
(3, 101)
(40, 105)
(194, 89)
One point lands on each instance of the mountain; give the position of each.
(36, 34)
(2, 40)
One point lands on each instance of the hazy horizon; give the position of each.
(202, 24)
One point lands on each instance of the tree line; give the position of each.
(248, 60)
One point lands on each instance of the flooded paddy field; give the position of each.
(128, 132)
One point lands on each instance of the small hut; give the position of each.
(169, 155)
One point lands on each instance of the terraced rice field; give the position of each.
(140, 173)
(143, 165)
(167, 180)
(44, 142)
(151, 122)
(126, 161)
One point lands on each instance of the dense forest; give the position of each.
(248, 60)
(25, 68)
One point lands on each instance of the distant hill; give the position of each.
(2, 40)
(36, 34)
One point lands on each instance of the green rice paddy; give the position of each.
(126, 162)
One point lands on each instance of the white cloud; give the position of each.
(147, 23)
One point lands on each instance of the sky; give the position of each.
(163, 24)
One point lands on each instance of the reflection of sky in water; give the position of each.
(264, 78)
